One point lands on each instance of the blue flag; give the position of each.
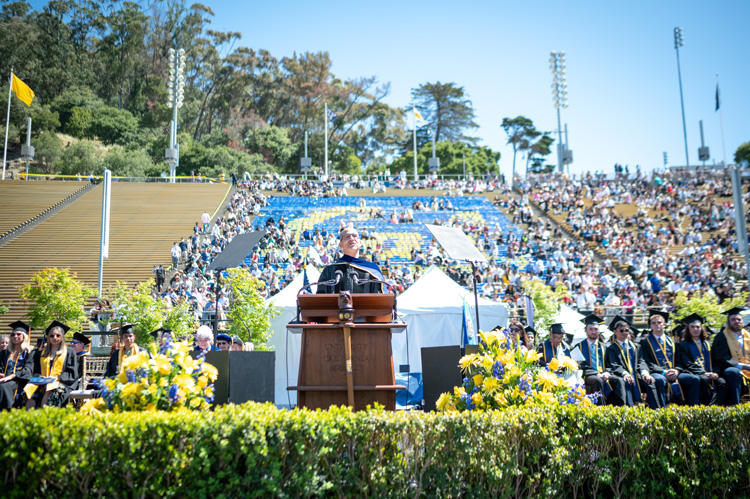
(717, 98)
(469, 338)
(331, 116)
(305, 282)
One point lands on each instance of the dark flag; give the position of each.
(717, 98)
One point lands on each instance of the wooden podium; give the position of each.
(344, 361)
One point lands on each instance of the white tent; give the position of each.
(287, 344)
(432, 308)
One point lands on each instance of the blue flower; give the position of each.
(498, 369)
(131, 376)
(173, 393)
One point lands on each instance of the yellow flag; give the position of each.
(417, 115)
(22, 90)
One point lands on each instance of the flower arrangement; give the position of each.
(505, 374)
(169, 379)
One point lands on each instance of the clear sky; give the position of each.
(623, 93)
(624, 100)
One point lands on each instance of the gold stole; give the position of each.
(734, 344)
(48, 371)
(121, 356)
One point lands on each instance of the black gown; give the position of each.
(347, 280)
(113, 366)
(10, 390)
(68, 376)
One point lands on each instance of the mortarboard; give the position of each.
(82, 338)
(125, 328)
(692, 318)
(556, 328)
(530, 329)
(592, 319)
(55, 324)
(654, 312)
(616, 320)
(160, 332)
(733, 311)
(237, 341)
(20, 326)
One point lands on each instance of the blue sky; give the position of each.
(624, 102)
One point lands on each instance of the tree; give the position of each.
(537, 152)
(479, 159)
(136, 304)
(81, 157)
(249, 312)
(547, 303)
(47, 150)
(521, 132)
(706, 305)
(272, 143)
(112, 125)
(75, 97)
(55, 294)
(127, 163)
(448, 110)
(742, 153)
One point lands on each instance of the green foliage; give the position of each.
(127, 163)
(137, 304)
(47, 150)
(272, 143)
(76, 97)
(742, 153)
(250, 314)
(80, 157)
(521, 132)
(55, 294)
(79, 122)
(547, 303)
(706, 305)
(479, 159)
(255, 450)
(447, 109)
(112, 126)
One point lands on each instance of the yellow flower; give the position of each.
(531, 356)
(490, 384)
(478, 380)
(586, 402)
(196, 402)
(569, 363)
(546, 398)
(135, 361)
(143, 400)
(152, 389)
(487, 363)
(477, 398)
(184, 381)
(123, 377)
(442, 401)
(488, 338)
(501, 400)
(547, 379)
(110, 383)
(202, 381)
(131, 390)
(188, 363)
(163, 382)
(554, 364)
(458, 391)
(150, 407)
(209, 392)
(162, 364)
(467, 361)
(210, 371)
(93, 406)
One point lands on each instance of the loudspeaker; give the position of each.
(440, 372)
(243, 376)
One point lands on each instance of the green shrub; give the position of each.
(256, 450)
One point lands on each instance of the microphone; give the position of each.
(332, 282)
(359, 281)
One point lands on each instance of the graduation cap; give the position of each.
(616, 320)
(692, 318)
(569, 337)
(126, 328)
(237, 341)
(654, 312)
(82, 338)
(224, 337)
(592, 319)
(55, 324)
(678, 330)
(530, 329)
(556, 328)
(733, 311)
(20, 326)
(160, 332)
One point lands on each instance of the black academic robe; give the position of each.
(348, 268)
(590, 370)
(81, 362)
(10, 390)
(695, 358)
(619, 365)
(548, 352)
(113, 366)
(721, 356)
(68, 376)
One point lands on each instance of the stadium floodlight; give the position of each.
(679, 41)
(559, 97)
(175, 97)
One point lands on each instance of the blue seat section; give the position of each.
(310, 213)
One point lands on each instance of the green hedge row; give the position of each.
(258, 451)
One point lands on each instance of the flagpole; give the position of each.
(721, 121)
(325, 120)
(7, 121)
(414, 118)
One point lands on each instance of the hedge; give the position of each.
(257, 450)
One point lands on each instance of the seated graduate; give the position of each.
(554, 346)
(658, 353)
(694, 357)
(15, 366)
(530, 336)
(56, 368)
(162, 336)
(624, 364)
(591, 354)
(82, 346)
(349, 266)
(730, 354)
(127, 349)
(518, 335)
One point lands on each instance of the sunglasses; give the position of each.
(55, 336)
(74, 342)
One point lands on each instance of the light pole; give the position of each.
(175, 90)
(679, 42)
(560, 96)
